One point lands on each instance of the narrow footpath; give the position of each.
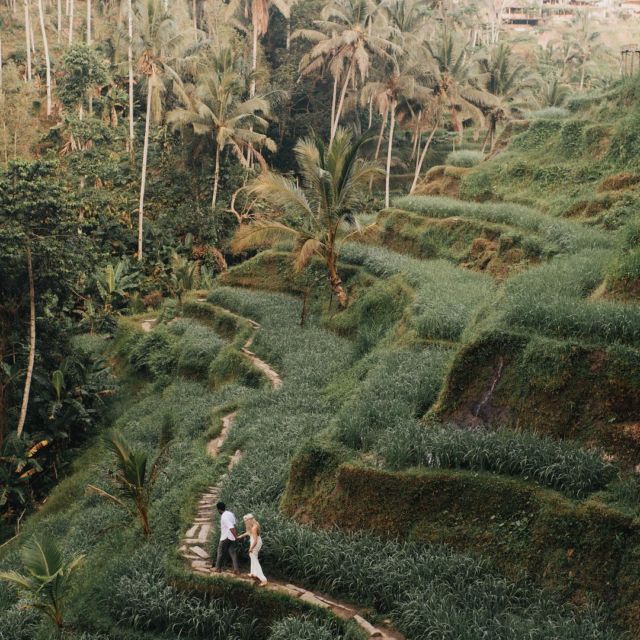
(194, 544)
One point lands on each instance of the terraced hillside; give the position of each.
(453, 456)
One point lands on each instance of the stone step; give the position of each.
(310, 598)
(367, 627)
(192, 532)
(205, 530)
(200, 552)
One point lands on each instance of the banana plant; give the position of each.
(133, 481)
(45, 578)
(185, 275)
(114, 283)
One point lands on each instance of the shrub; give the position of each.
(304, 628)
(465, 158)
(153, 352)
(563, 466)
(550, 113)
(196, 349)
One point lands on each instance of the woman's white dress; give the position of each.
(256, 569)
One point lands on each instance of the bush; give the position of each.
(465, 158)
(550, 113)
(563, 466)
(304, 628)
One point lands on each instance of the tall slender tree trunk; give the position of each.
(32, 343)
(334, 279)
(71, 3)
(88, 21)
(423, 155)
(288, 43)
(343, 93)
(334, 99)
(27, 35)
(392, 126)
(143, 178)
(130, 63)
(254, 61)
(383, 126)
(216, 177)
(59, 23)
(47, 60)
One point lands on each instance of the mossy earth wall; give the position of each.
(585, 551)
(561, 388)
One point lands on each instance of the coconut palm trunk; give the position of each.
(423, 155)
(88, 21)
(59, 22)
(392, 126)
(47, 60)
(32, 343)
(216, 177)
(71, 3)
(334, 279)
(130, 63)
(343, 93)
(27, 35)
(145, 153)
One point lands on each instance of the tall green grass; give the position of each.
(430, 591)
(563, 466)
(552, 299)
(568, 236)
(304, 628)
(140, 598)
(446, 297)
(400, 385)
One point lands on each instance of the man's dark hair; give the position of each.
(221, 506)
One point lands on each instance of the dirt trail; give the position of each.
(194, 544)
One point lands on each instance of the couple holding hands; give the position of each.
(228, 542)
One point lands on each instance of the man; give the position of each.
(228, 537)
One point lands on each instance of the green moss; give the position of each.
(575, 549)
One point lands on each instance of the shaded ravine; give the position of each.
(194, 544)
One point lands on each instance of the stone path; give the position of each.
(194, 544)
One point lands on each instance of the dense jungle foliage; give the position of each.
(424, 218)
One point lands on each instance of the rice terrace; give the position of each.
(319, 319)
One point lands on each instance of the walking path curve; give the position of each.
(193, 546)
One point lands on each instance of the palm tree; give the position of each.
(451, 74)
(311, 215)
(160, 40)
(508, 80)
(214, 107)
(134, 483)
(260, 12)
(347, 39)
(46, 577)
(400, 89)
(47, 59)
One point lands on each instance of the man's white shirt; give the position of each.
(227, 522)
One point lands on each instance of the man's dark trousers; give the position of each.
(227, 547)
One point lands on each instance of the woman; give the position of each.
(252, 531)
